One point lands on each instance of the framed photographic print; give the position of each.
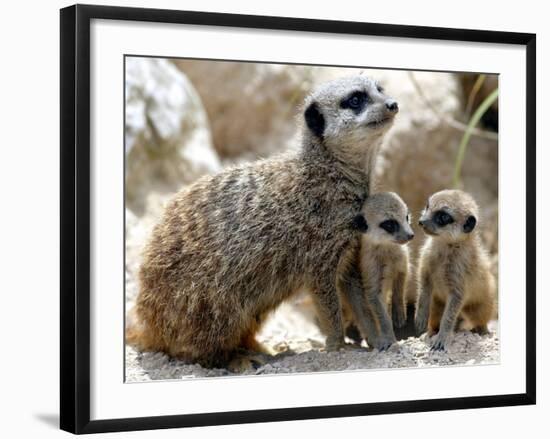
(271, 218)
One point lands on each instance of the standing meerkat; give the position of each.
(383, 260)
(231, 247)
(455, 281)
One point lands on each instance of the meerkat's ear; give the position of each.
(315, 120)
(360, 223)
(470, 224)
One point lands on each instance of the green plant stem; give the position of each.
(480, 111)
(473, 93)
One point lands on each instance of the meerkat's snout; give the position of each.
(428, 226)
(382, 113)
(405, 236)
(408, 237)
(392, 106)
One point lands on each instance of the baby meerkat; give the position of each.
(455, 282)
(383, 260)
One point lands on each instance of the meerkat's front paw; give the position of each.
(439, 343)
(334, 344)
(384, 342)
(399, 318)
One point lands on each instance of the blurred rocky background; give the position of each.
(186, 118)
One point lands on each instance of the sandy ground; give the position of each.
(292, 333)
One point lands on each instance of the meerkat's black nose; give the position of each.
(392, 105)
(410, 236)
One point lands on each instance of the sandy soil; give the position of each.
(292, 333)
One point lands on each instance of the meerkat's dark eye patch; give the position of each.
(442, 218)
(379, 88)
(470, 224)
(315, 120)
(356, 102)
(390, 226)
(360, 223)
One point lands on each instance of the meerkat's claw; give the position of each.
(383, 347)
(438, 345)
(384, 343)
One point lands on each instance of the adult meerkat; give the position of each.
(383, 260)
(455, 281)
(231, 247)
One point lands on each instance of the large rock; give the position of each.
(168, 142)
(252, 107)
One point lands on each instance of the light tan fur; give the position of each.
(383, 261)
(454, 277)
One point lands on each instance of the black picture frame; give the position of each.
(75, 217)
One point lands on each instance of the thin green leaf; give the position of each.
(476, 117)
